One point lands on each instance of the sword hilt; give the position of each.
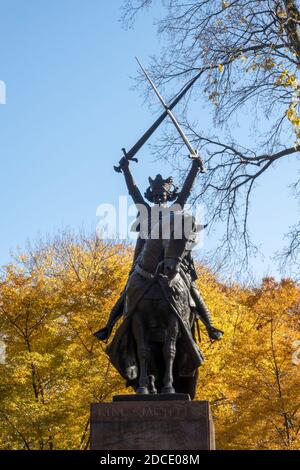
(195, 156)
(118, 168)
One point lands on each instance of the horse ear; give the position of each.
(150, 180)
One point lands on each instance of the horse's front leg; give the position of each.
(169, 351)
(143, 352)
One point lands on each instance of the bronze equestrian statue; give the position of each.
(154, 348)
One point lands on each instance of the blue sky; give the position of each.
(70, 108)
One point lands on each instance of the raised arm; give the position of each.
(189, 181)
(130, 183)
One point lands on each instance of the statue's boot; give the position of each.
(117, 311)
(204, 314)
(103, 334)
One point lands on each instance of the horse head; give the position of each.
(171, 240)
(182, 233)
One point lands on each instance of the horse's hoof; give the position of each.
(142, 391)
(152, 388)
(168, 390)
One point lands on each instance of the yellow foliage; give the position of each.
(51, 301)
(281, 13)
(249, 376)
(289, 80)
(53, 298)
(294, 118)
(225, 4)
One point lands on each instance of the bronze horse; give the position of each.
(154, 348)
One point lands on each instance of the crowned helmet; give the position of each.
(160, 184)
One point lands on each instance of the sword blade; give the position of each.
(132, 152)
(193, 153)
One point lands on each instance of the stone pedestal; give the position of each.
(154, 422)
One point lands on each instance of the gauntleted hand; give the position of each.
(198, 162)
(214, 333)
(124, 163)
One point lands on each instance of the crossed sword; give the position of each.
(168, 112)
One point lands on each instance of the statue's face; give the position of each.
(160, 196)
(159, 189)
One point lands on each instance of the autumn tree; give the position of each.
(248, 54)
(52, 299)
(249, 377)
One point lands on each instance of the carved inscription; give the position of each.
(117, 411)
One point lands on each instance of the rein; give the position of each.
(178, 258)
(146, 274)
